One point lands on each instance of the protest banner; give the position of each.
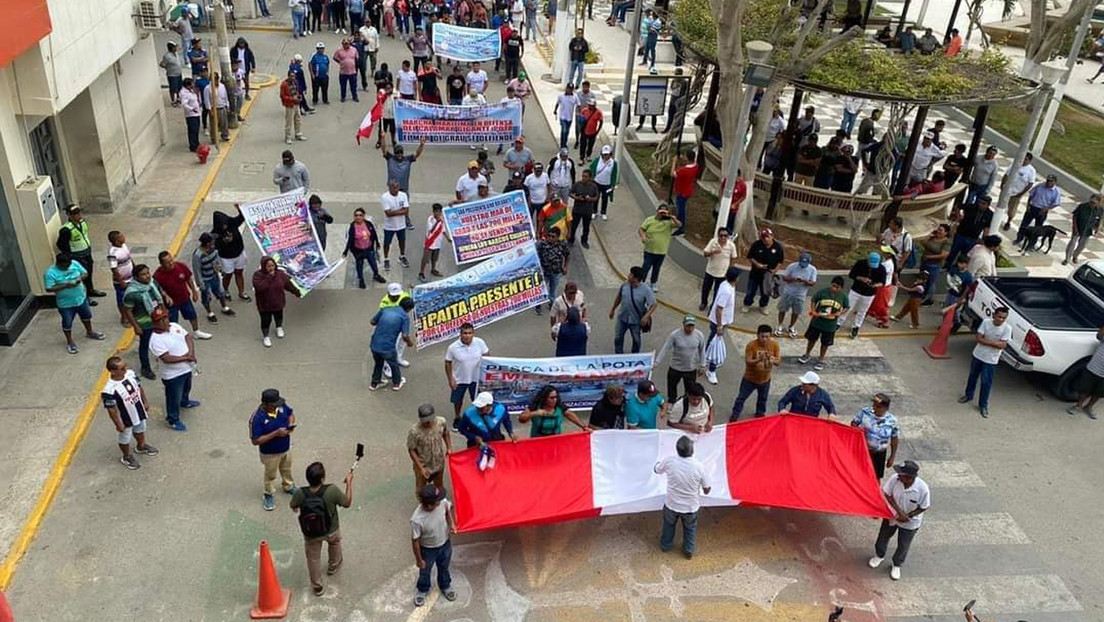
(580, 380)
(501, 286)
(466, 44)
(488, 226)
(282, 227)
(457, 125)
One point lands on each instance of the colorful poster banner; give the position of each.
(580, 380)
(501, 286)
(480, 229)
(457, 125)
(466, 44)
(282, 227)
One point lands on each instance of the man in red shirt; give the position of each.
(591, 126)
(685, 172)
(739, 193)
(180, 291)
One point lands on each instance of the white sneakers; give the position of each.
(267, 342)
(711, 376)
(894, 571)
(404, 363)
(280, 332)
(199, 334)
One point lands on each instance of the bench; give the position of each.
(833, 203)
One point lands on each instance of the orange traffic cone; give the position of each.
(272, 600)
(5, 610)
(937, 349)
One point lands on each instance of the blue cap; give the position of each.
(875, 259)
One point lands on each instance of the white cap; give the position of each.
(809, 377)
(394, 289)
(483, 399)
(298, 57)
(607, 149)
(319, 45)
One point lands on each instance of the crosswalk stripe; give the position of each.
(937, 530)
(950, 474)
(938, 596)
(227, 195)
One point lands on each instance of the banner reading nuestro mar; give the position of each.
(501, 286)
(282, 227)
(489, 226)
(457, 125)
(466, 44)
(580, 380)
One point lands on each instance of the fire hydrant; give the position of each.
(202, 152)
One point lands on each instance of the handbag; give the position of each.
(645, 323)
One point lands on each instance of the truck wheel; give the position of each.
(1066, 387)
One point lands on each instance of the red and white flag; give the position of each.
(787, 461)
(372, 118)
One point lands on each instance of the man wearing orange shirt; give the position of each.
(592, 124)
(954, 46)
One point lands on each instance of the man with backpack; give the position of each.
(693, 412)
(270, 430)
(318, 520)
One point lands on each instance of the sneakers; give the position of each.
(875, 561)
(404, 363)
(267, 341)
(212, 318)
(818, 366)
(291, 491)
(333, 570)
(791, 333)
(420, 598)
(778, 332)
(711, 376)
(268, 503)
(1072, 410)
(655, 288)
(421, 278)
(320, 590)
(178, 426)
(404, 262)
(763, 310)
(373, 387)
(130, 462)
(984, 412)
(537, 309)
(199, 334)
(745, 310)
(604, 217)
(190, 404)
(95, 336)
(895, 573)
(854, 332)
(449, 594)
(803, 359)
(398, 387)
(300, 137)
(244, 296)
(379, 279)
(965, 399)
(71, 348)
(280, 332)
(148, 450)
(386, 265)
(361, 284)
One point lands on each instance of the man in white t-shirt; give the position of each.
(538, 184)
(477, 79)
(462, 361)
(721, 314)
(927, 154)
(430, 526)
(693, 412)
(467, 187)
(396, 205)
(720, 255)
(908, 497)
(407, 80)
(992, 338)
(174, 348)
(1019, 185)
(686, 477)
(564, 110)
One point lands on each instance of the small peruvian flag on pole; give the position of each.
(373, 117)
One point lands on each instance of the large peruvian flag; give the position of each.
(787, 461)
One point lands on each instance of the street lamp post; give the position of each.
(758, 74)
(626, 89)
(1060, 89)
(1049, 74)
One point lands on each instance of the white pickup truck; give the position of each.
(1054, 321)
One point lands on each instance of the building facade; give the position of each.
(81, 116)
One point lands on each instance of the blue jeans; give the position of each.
(576, 67)
(689, 529)
(441, 557)
(848, 122)
(177, 392)
(392, 359)
(652, 262)
(619, 336)
(974, 191)
(649, 52)
(553, 281)
(565, 132)
(680, 209)
(757, 284)
(985, 371)
(362, 255)
(263, 6)
(212, 287)
(933, 274)
(762, 391)
(143, 350)
(298, 23)
(960, 244)
(350, 80)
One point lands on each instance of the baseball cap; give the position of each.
(689, 319)
(483, 400)
(874, 259)
(766, 231)
(159, 314)
(73, 209)
(319, 45)
(297, 57)
(908, 467)
(394, 289)
(809, 377)
(483, 183)
(607, 149)
(520, 139)
(1052, 177)
(271, 397)
(426, 412)
(516, 175)
(431, 494)
(473, 164)
(564, 151)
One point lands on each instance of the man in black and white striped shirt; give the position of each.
(126, 404)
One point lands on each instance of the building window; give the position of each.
(14, 288)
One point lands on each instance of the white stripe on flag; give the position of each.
(622, 464)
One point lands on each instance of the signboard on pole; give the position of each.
(651, 96)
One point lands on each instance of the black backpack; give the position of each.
(314, 520)
(686, 405)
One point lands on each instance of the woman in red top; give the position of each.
(269, 285)
(592, 124)
(363, 242)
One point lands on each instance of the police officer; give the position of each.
(73, 238)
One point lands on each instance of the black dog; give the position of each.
(1034, 238)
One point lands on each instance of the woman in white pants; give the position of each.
(867, 275)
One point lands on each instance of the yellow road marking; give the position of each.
(421, 613)
(80, 428)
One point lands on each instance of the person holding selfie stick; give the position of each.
(318, 520)
(270, 429)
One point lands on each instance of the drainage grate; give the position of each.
(251, 168)
(156, 212)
